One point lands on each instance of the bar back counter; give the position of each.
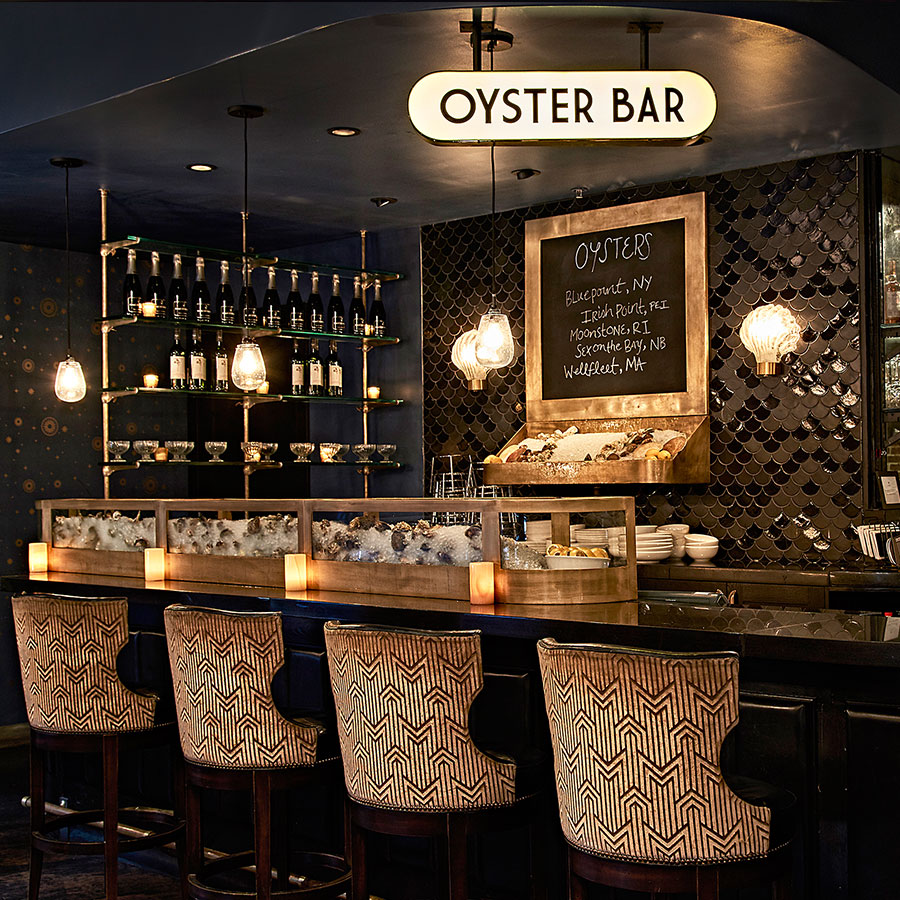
(819, 712)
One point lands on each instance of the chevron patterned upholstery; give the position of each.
(636, 741)
(403, 700)
(67, 653)
(222, 668)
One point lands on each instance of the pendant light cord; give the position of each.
(246, 212)
(68, 277)
(493, 210)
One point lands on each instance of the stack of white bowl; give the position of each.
(537, 534)
(678, 532)
(701, 547)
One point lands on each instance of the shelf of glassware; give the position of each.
(250, 398)
(188, 251)
(248, 467)
(111, 323)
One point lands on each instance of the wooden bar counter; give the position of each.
(820, 692)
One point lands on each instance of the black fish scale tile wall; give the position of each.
(786, 471)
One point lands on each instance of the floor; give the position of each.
(64, 877)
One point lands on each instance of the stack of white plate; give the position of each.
(701, 547)
(651, 546)
(537, 534)
(590, 537)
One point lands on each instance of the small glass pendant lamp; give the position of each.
(70, 385)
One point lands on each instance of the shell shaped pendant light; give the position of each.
(463, 357)
(70, 386)
(770, 332)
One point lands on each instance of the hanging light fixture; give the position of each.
(494, 346)
(463, 357)
(248, 370)
(70, 386)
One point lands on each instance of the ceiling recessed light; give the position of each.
(383, 201)
(201, 167)
(522, 174)
(343, 131)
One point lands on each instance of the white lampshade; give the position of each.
(463, 357)
(770, 332)
(248, 371)
(70, 386)
(494, 347)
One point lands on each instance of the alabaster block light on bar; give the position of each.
(248, 371)
(770, 332)
(295, 571)
(494, 347)
(38, 557)
(154, 564)
(481, 583)
(463, 357)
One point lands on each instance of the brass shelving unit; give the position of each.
(246, 400)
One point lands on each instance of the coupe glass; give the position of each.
(302, 450)
(179, 449)
(145, 449)
(363, 452)
(215, 449)
(117, 449)
(386, 451)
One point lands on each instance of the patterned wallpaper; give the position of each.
(786, 473)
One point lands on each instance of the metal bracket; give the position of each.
(644, 29)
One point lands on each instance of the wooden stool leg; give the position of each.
(782, 888)
(707, 883)
(457, 857)
(262, 833)
(111, 815)
(180, 805)
(576, 886)
(37, 819)
(281, 844)
(193, 833)
(359, 877)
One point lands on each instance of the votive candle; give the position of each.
(148, 309)
(151, 380)
(373, 392)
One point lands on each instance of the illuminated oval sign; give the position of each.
(633, 105)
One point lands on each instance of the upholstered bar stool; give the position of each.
(410, 765)
(76, 703)
(643, 803)
(235, 739)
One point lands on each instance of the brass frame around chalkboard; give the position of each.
(692, 402)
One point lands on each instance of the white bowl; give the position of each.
(698, 539)
(576, 562)
(701, 553)
(675, 530)
(653, 555)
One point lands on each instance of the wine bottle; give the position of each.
(201, 302)
(156, 290)
(225, 298)
(335, 320)
(178, 297)
(377, 319)
(357, 314)
(197, 364)
(248, 307)
(298, 370)
(335, 371)
(177, 364)
(271, 311)
(295, 315)
(316, 309)
(132, 296)
(316, 385)
(892, 296)
(221, 360)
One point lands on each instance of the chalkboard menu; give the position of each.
(616, 311)
(612, 312)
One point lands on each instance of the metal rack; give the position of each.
(246, 401)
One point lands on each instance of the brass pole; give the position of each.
(104, 342)
(365, 363)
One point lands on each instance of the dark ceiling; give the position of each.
(138, 90)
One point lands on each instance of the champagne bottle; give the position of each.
(221, 360)
(156, 290)
(271, 311)
(249, 309)
(295, 316)
(357, 314)
(177, 364)
(224, 297)
(377, 319)
(132, 297)
(335, 321)
(335, 371)
(178, 297)
(314, 367)
(298, 370)
(316, 309)
(201, 302)
(197, 364)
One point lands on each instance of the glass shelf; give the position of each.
(241, 397)
(111, 323)
(255, 260)
(255, 467)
